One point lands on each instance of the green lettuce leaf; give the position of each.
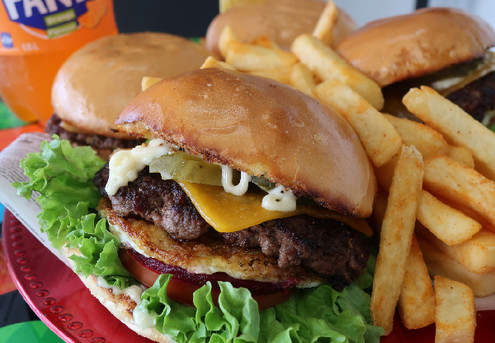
(62, 175)
(319, 314)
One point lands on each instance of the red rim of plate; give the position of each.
(55, 293)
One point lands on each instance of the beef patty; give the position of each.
(98, 142)
(477, 98)
(329, 248)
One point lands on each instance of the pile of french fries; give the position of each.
(437, 215)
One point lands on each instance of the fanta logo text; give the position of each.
(40, 6)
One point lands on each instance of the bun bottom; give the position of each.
(121, 306)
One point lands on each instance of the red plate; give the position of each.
(67, 307)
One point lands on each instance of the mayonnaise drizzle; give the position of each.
(125, 164)
(239, 189)
(144, 318)
(134, 292)
(279, 199)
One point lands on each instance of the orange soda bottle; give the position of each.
(37, 36)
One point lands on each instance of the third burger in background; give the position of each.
(442, 47)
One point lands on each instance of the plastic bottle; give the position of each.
(37, 36)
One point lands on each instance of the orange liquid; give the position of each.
(26, 78)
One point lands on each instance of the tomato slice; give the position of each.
(182, 291)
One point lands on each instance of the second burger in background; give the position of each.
(96, 83)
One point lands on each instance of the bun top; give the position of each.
(261, 127)
(95, 84)
(416, 44)
(280, 20)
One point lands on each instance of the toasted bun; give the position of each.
(416, 44)
(96, 83)
(261, 127)
(279, 20)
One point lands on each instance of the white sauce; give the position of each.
(126, 164)
(279, 199)
(143, 318)
(239, 189)
(134, 292)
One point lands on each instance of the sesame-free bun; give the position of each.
(261, 127)
(417, 44)
(95, 84)
(279, 20)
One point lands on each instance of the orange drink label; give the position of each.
(32, 26)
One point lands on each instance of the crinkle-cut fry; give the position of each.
(455, 125)
(302, 78)
(455, 318)
(417, 299)
(379, 138)
(428, 141)
(463, 188)
(327, 64)
(482, 284)
(212, 62)
(395, 236)
(446, 223)
(326, 23)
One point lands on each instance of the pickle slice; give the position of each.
(186, 167)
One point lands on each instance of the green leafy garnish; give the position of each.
(62, 175)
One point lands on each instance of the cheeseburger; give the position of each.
(279, 20)
(445, 48)
(95, 84)
(247, 196)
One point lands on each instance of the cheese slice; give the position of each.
(226, 212)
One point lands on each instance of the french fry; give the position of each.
(327, 64)
(279, 74)
(380, 140)
(395, 236)
(462, 155)
(455, 124)
(212, 62)
(476, 254)
(226, 40)
(482, 284)
(266, 42)
(301, 78)
(455, 316)
(326, 23)
(428, 141)
(246, 57)
(462, 188)
(385, 172)
(224, 5)
(250, 57)
(148, 81)
(446, 223)
(417, 299)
